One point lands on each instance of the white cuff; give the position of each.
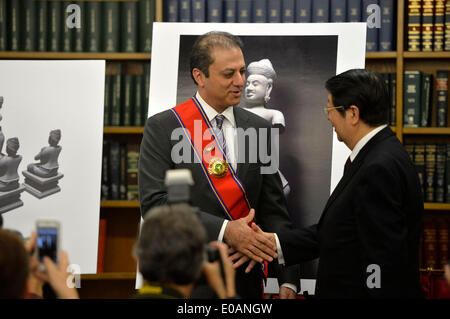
(290, 286)
(279, 251)
(222, 231)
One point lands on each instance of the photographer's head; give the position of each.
(14, 269)
(171, 246)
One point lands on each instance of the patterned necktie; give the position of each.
(219, 133)
(347, 164)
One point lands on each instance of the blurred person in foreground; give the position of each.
(19, 274)
(171, 252)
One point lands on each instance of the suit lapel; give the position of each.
(242, 122)
(354, 167)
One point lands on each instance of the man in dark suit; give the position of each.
(367, 238)
(229, 183)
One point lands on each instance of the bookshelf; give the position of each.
(117, 280)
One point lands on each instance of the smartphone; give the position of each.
(47, 242)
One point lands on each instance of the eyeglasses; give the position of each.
(327, 110)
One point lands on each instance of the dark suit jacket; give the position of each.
(374, 216)
(264, 192)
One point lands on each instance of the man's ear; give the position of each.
(199, 77)
(354, 114)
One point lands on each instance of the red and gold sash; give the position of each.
(227, 188)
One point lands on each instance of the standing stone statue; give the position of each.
(259, 85)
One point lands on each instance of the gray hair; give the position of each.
(171, 246)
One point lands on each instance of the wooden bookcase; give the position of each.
(123, 217)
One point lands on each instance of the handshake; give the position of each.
(249, 243)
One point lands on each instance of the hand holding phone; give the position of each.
(47, 243)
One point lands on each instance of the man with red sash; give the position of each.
(230, 190)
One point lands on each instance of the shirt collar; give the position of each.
(358, 147)
(211, 112)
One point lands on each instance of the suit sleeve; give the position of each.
(154, 161)
(273, 216)
(382, 228)
(299, 245)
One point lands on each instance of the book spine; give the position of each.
(146, 92)
(439, 25)
(412, 98)
(230, 11)
(3, 26)
(129, 27)
(105, 194)
(387, 81)
(274, 11)
(288, 11)
(442, 97)
(447, 26)
(303, 11)
(147, 15)
(430, 244)
(440, 173)
(107, 102)
(410, 150)
(132, 171)
(447, 174)
(244, 11)
(387, 25)
(123, 172)
(215, 11)
(393, 95)
(114, 161)
(372, 31)
(42, 26)
(110, 26)
(427, 25)
(443, 242)
(15, 24)
(185, 11)
(29, 26)
(138, 99)
(66, 34)
(127, 100)
(79, 33)
(419, 163)
(93, 28)
(354, 11)
(172, 11)
(259, 11)
(338, 11)
(101, 245)
(414, 24)
(321, 11)
(426, 100)
(116, 94)
(430, 171)
(198, 10)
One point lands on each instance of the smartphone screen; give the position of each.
(47, 243)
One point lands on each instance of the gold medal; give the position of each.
(218, 167)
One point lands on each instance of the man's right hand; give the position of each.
(256, 246)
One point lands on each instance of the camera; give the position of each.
(212, 254)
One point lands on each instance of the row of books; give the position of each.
(434, 244)
(391, 83)
(76, 26)
(126, 94)
(432, 162)
(380, 36)
(428, 25)
(119, 171)
(434, 285)
(418, 96)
